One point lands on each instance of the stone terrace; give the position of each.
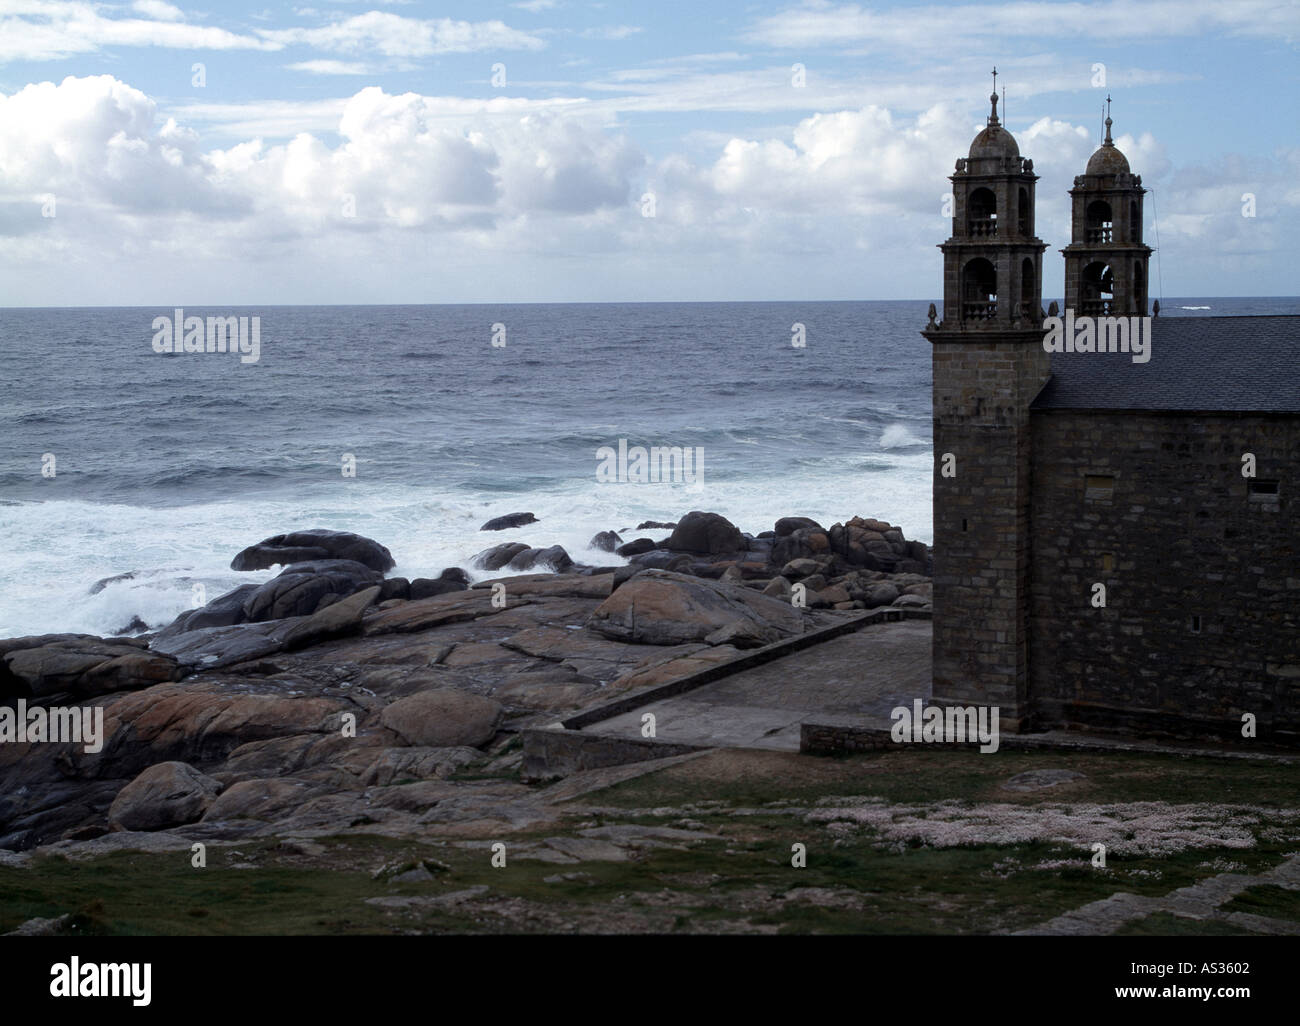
(855, 679)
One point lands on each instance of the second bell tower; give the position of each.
(1106, 262)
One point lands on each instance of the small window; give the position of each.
(1099, 486)
(1107, 562)
(1196, 625)
(963, 524)
(1263, 488)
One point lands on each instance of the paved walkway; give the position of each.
(854, 679)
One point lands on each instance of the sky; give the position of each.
(239, 153)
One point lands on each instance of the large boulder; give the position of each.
(498, 556)
(222, 611)
(554, 558)
(303, 588)
(210, 648)
(304, 546)
(394, 588)
(166, 795)
(266, 799)
(81, 664)
(881, 593)
(443, 718)
(662, 559)
(658, 607)
(801, 543)
(335, 620)
(451, 579)
(201, 723)
(705, 532)
(606, 541)
(508, 521)
(637, 547)
(788, 525)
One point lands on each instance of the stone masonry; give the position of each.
(1222, 555)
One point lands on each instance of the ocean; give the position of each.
(118, 459)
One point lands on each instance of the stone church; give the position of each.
(1115, 541)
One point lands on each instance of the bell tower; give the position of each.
(989, 365)
(1106, 262)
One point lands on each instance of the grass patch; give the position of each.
(1166, 924)
(1267, 900)
(926, 773)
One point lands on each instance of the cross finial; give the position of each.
(1108, 121)
(993, 99)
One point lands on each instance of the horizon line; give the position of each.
(547, 302)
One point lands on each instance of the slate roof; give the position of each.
(1204, 364)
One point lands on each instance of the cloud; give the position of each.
(93, 143)
(526, 192)
(42, 30)
(393, 35)
(329, 67)
(922, 28)
(611, 32)
(847, 163)
(407, 161)
(536, 6)
(281, 119)
(159, 10)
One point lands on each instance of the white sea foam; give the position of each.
(897, 436)
(58, 550)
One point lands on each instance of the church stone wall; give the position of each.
(1179, 536)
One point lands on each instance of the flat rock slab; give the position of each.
(429, 900)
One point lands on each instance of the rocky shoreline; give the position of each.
(298, 706)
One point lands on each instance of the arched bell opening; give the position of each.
(1098, 291)
(979, 290)
(982, 213)
(1099, 227)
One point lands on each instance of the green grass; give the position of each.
(954, 890)
(1166, 924)
(738, 883)
(923, 773)
(1267, 900)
